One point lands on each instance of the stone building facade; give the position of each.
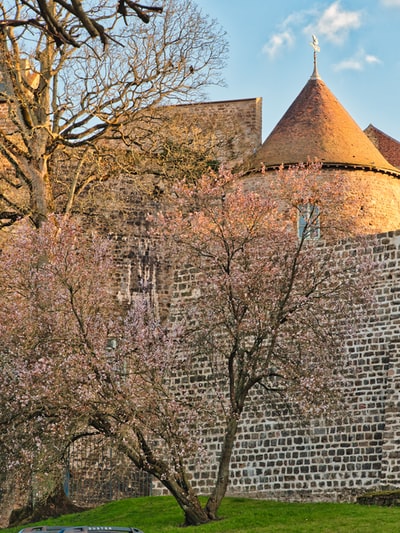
(278, 457)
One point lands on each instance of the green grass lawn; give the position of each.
(239, 515)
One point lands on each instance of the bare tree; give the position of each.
(61, 97)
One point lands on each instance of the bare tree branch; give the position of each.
(47, 22)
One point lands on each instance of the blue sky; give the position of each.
(270, 55)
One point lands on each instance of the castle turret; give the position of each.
(317, 127)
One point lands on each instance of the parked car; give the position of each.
(80, 529)
(100, 529)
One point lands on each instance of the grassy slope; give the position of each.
(161, 515)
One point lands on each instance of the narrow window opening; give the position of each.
(308, 222)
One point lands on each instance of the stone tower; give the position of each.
(317, 127)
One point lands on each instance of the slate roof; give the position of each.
(316, 126)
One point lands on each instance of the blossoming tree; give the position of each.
(273, 302)
(75, 365)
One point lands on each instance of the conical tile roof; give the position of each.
(316, 126)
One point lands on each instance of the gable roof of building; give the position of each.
(387, 145)
(316, 126)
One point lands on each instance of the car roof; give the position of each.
(81, 529)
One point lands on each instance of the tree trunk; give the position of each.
(177, 484)
(188, 501)
(42, 202)
(12, 495)
(221, 484)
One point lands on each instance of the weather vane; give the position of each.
(315, 45)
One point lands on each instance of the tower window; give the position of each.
(308, 222)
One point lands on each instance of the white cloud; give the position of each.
(284, 37)
(372, 60)
(391, 3)
(277, 42)
(349, 64)
(335, 23)
(358, 62)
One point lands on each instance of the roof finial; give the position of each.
(315, 45)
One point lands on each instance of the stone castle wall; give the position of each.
(277, 457)
(238, 121)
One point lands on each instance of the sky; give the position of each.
(271, 56)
